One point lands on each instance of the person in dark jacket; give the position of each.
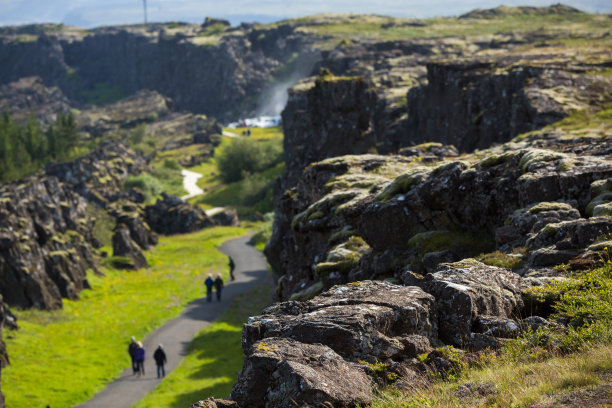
(209, 282)
(139, 357)
(218, 286)
(132, 352)
(232, 266)
(160, 360)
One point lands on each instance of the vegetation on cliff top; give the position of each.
(547, 366)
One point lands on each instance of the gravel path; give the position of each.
(251, 270)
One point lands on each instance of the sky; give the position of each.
(93, 13)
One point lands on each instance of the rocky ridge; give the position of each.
(180, 61)
(500, 174)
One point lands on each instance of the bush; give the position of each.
(247, 156)
(147, 184)
(172, 164)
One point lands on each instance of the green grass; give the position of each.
(214, 357)
(88, 338)
(249, 196)
(384, 28)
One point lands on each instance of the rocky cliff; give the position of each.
(202, 72)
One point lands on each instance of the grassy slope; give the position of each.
(515, 384)
(88, 338)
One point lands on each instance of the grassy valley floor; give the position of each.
(86, 341)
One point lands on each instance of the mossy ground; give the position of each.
(88, 338)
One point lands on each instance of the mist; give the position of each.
(274, 98)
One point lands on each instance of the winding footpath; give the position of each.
(190, 183)
(251, 270)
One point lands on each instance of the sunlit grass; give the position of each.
(87, 340)
(509, 384)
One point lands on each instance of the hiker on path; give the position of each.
(160, 360)
(209, 282)
(132, 352)
(232, 266)
(218, 286)
(139, 357)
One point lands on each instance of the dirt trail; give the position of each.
(251, 270)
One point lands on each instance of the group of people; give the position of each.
(138, 353)
(211, 283)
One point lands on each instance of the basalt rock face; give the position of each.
(332, 117)
(363, 217)
(182, 64)
(473, 105)
(46, 243)
(28, 96)
(322, 352)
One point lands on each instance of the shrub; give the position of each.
(247, 156)
(146, 183)
(171, 164)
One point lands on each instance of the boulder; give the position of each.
(171, 215)
(367, 319)
(466, 290)
(124, 246)
(284, 373)
(227, 217)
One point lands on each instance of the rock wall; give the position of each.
(476, 104)
(199, 74)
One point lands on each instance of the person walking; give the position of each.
(139, 357)
(218, 286)
(160, 360)
(209, 282)
(132, 352)
(232, 266)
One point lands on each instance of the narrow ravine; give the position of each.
(251, 270)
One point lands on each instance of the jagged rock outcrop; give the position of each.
(46, 243)
(466, 291)
(322, 352)
(99, 175)
(29, 96)
(124, 246)
(171, 215)
(406, 212)
(474, 104)
(282, 372)
(329, 117)
(358, 321)
(224, 216)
